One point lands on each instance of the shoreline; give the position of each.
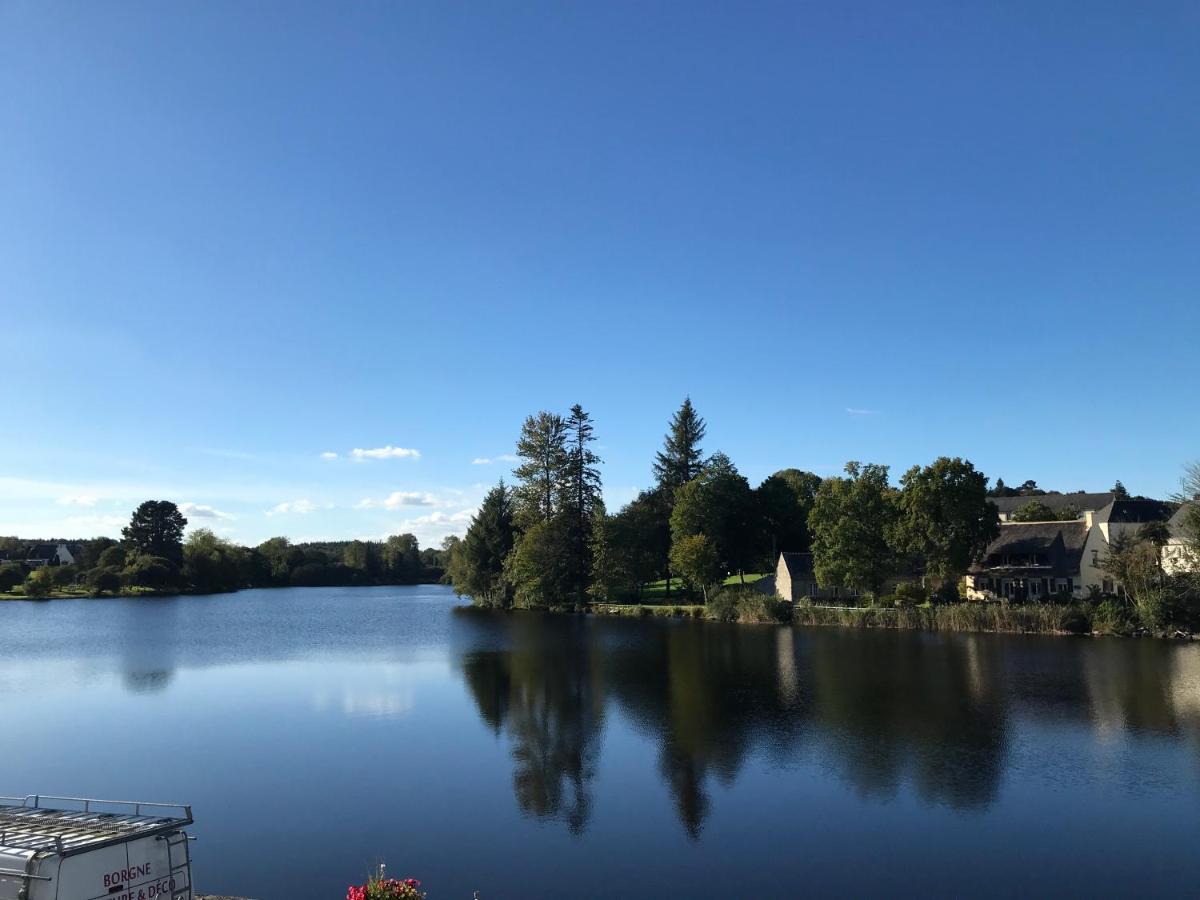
(1059, 620)
(146, 594)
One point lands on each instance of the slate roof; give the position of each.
(799, 565)
(1177, 524)
(1061, 543)
(1009, 505)
(1137, 511)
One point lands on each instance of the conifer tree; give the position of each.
(681, 457)
(580, 496)
(542, 472)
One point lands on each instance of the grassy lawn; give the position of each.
(657, 590)
(74, 592)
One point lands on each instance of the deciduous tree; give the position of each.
(850, 521)
(945, 517)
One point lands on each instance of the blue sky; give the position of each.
(236, 237)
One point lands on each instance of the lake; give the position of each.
(318, 730)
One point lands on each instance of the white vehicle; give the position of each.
(67, 848)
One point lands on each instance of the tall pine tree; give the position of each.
(581, 495)
(681, 457)
(680, 460)
(542, 472)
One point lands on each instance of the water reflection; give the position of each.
(883, 711)
(546, 698)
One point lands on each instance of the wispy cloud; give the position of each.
(201, 511)
(858, 411)
(388, 452)
(488, 460)
(397, 499)
(329, 454)
(300, 507)
(77, 500)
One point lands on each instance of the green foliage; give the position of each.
(40, 582)
(541, 475)
(945, 517)
(64, 576)
(11, 574)
(1037, 618)
(156, 529)
(850, 522)
(476, 566)
(581, 498)
(536, 569)
(112, 557)
(1111, 617)
(681, 458)
(156, 573)
(694, 557)
(910, 593)
(723, 607)
(211, 564)
(1039, 511)
(91, 550)
(783, 503)
(104, 580)
(719, 504)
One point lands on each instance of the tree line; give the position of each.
(153, 555)
(549, 540)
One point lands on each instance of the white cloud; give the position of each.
(201, 511)
(431, 528)
(292, 506)
(329, 454)
(856, 411)
(77, 500)
(409, 498)
(397, 499)
(488, 460)
(388, 452)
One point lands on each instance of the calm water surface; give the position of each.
(319, 730)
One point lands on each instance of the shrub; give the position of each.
(758, 607)
(1111, 617)
(40, 582)
(910, 594)
(104, 580)
(722, 606)
(10, 576)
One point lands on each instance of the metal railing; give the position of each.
(89, 804)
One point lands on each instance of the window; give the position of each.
(1035, 588)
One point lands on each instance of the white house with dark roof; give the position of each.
(44, 554)
(1119, 518)
(1031, 561)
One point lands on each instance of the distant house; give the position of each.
(46, 554)
(1031, 561)
(1037, 560)
(1178, 555)
(1082, 503)
(1119, 518)
(795, 579)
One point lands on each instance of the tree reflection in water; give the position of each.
(880, 709)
